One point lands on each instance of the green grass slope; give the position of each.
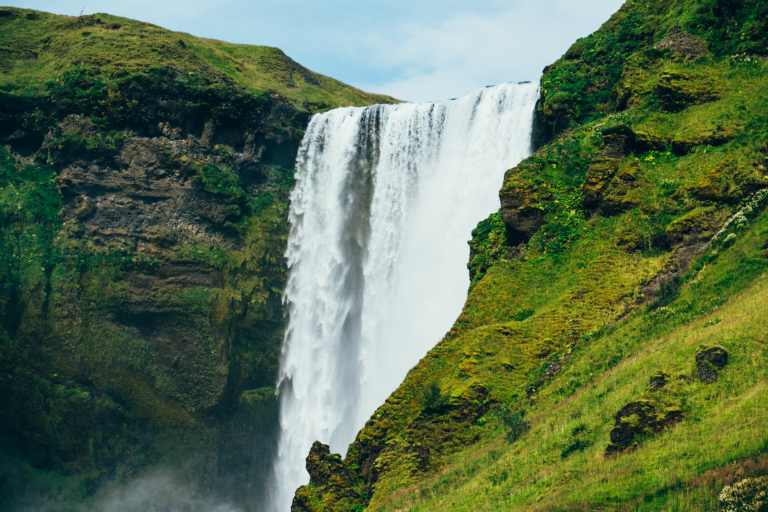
(632, 241)
(38, 49)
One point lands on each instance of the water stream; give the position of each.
(385, 200)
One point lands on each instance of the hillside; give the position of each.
(144, 180)
(38, 48)
(612, 352)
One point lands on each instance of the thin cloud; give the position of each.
(455, 56)
(417, 51)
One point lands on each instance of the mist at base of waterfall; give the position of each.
(157, 491)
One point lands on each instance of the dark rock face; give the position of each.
(328, 475)
(658, 380)
(683, 43)
(709, 360)
(146, 189)
(640, 418)
(519, 208)
(143, 315)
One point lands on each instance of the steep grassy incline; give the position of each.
(38, 51)
(144, 181)
(612, 352)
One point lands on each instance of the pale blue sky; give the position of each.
(416, 50)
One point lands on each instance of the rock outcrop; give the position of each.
(143, 222)
(709, 362)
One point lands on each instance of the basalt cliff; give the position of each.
(144, 180)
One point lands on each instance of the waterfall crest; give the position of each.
(385, 200)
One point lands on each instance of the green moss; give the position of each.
(593, 79)
(677, 91)
(487, 247)
(100, 336)
(624, 215)
(83, 60)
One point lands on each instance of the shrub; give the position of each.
(514, 422)
(749, 495)
(667, 292)
(433, 400)
(578, 445)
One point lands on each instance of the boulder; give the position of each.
(683, 43)
(658, 380)
(709, 360)
(520, 209)
(718, 356)
(639, 419)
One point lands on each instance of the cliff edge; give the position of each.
(144, 180)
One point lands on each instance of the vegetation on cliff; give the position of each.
(612, 352)
(144, 180)
(41, 53)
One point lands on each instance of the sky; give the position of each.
(414, 50)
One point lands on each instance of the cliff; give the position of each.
(611, 353)
(144, 180)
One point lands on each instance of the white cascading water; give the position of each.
(385, 200)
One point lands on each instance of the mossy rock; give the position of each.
(321, 464)
(658, 380)
(630, 240)
(718, 137)
(698, 224)
(645, 142)
(601, 173)
(682, 43)
(639, 419)
(521, 208)
(706, 371)
(625, 192)
(678, 91)
(709, 361)
(726, 183)
(718, 356)
(618, 141)
(559, 109)
(254, 399)
(488, 246)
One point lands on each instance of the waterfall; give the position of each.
(385, 200)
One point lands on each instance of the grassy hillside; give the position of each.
(39, 51)
(630, 244)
